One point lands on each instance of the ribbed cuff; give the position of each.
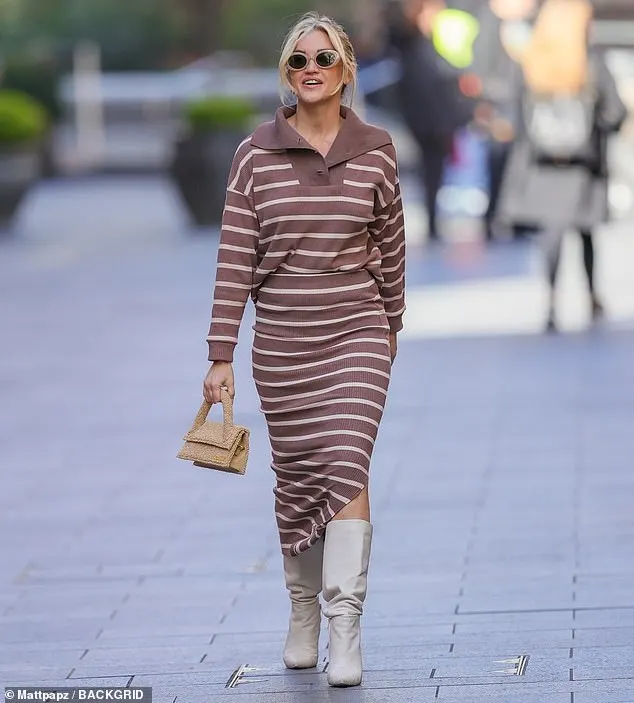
(221, 351)
(395, 323)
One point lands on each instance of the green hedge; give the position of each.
(208, 114)
(22, 119)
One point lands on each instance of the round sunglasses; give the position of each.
(326, 58)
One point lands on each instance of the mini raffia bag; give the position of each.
(217, 445)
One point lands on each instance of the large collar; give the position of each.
(354, 138)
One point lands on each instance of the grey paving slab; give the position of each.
(69, 631)
(605, 636)
(605, 617)
(513, 694)
(397, 656)
(140, 657)
(215, 685)
(362, 695)
(618, 694)
(15, 674)
(514, 641)
(514, 622)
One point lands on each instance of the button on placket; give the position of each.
(322, 171)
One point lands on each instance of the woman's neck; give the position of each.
(317, 122)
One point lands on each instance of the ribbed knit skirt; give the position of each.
(322, 389)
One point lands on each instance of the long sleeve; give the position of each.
(237, 258)
(389, 235)
(612, 111)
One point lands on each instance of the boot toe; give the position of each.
(300, 660)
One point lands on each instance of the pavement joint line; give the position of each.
(572, 674)
(587, 609)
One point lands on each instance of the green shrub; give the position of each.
(22, 119)
(207, 114)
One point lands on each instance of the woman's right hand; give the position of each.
(220, 374)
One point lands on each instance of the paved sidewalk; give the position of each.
(502, 490)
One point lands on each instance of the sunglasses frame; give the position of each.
(313, 58)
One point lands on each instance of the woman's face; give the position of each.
(314, 83)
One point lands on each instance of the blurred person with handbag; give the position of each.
(313, 232)
(558, 169)
(504, 31)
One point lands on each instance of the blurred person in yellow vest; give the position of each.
(428, 93)
(452, 32)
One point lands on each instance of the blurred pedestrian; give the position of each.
(505, 29)
(313, 231)
(558, 170)
(431, 102)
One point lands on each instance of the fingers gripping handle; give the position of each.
(227, 413)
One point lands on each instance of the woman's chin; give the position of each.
(314, 97)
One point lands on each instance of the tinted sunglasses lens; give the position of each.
(297, 61)
(326, 59)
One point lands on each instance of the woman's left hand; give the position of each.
(393, 346)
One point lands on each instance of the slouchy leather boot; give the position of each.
(303, 580)
(346, 559)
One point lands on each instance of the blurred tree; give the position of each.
(149, 34)
(132, 35)
(204, 24)
(259, 26)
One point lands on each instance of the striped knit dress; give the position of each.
(319, 245)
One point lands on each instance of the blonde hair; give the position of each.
(556, 58)
(310, 22)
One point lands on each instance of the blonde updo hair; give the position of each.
(310, 22)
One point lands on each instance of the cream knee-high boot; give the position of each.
(346, 559)
(303, 575)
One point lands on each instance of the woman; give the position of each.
(313, 232)
(547, 187)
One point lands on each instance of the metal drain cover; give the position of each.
(517, 665)
(481, 667)
(237, 676)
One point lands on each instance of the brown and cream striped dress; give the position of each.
(319, 245)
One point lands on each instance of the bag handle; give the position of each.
(227, 414)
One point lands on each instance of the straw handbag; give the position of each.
(217, 445)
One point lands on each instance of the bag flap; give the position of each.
(212, 433)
